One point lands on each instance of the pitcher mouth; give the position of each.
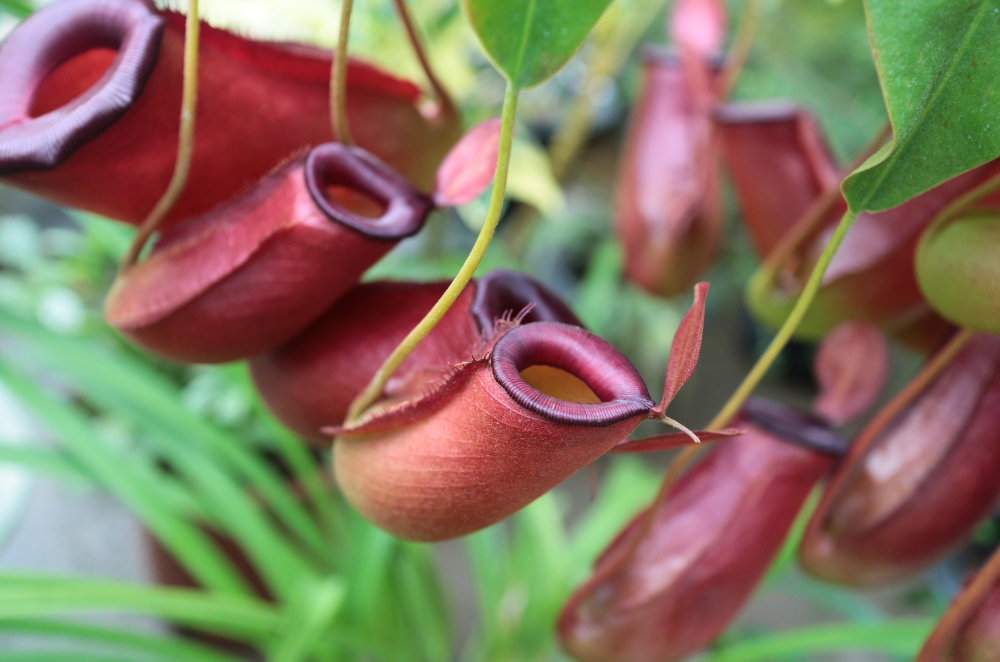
(585, 357)
(504, 292)
(403, 208)
(52, 37)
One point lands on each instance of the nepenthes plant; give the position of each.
(272, 321)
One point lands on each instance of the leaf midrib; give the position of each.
(522, 49)
(922, 115)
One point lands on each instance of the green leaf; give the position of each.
(308, 619)
(423, 603)
(939, 75)
(185, 541)
(54, 463)
(151, 647)
(122, 385)
(528, 41)
(17, 8)
(898, 638)
(63, 656)
(245, 619)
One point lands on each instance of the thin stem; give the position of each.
(750, 382)
(686, 456)
(185, 144)
(378, 382)
(788, 328)
(740, 49)
(338, 78)
(444, 99)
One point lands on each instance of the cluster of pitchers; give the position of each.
(261, 258)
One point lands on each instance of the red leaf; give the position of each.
(663, 442)
(684, 349)
(699, 27)
(469, 167)
(851, 368)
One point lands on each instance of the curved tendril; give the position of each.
(372, 392)
(338, 78)
(185, 144)
(444, 99)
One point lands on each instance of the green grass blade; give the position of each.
(127, 386)
(423, 603)
(184, 540)
(309, 619)
(786, 556)
(246, 619)
(305, 471)
(53, 463)
(238, 516)
(120, 390)
(538, 567)
(151, 647)
(901, 638)
(64, 656)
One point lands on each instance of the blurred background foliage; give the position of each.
(106, 416)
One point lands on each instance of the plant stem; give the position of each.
(378, 382)
(762, 365)
(185, 143)
(444, 99)
(740, 49)
(788, 328)
(338, 78)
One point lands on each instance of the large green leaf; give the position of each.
(530, 40)
(939, 73)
